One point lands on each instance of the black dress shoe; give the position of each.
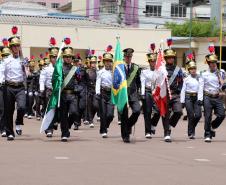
(126, 140)
(213, 133)
(19, 132)
(64, 139)
(10, 138)
(76, 127)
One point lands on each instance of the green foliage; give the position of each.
(199, 29)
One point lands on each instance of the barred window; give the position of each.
(55, 5)
(42, 3)
(153, 10)
(108, 6)
(178, 10)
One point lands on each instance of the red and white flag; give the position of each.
(160, 93)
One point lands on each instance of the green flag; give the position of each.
(57, 79)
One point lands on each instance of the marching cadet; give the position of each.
(68, 101)
(100, 66)
(2, 81)
(81, 91)
(4, 53)
(91, 83)
(77, 120)
(29, 90)
(15, 90)
(45, 80)
(103, 92)
(190, 97)
(175, 82)
(148, 79)
(133, 84)
(211, 85)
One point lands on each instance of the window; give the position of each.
(153, 10)
(178, 10)
(42, 3)
(55, 5)
(108, 6)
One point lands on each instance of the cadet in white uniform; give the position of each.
(15, 90)
(211, 85)
(103, 92)
(191, 98)
(5, 52)
(148, 79)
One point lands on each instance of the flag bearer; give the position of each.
(175, 82)
(45, 80)
(133, 84)
(103, 92)
(211, 85)
(148, 79)
(68, 101)
(191, 97)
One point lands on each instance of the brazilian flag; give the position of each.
(119, 95)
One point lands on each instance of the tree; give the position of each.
(199, 29)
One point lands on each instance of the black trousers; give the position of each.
(38, 104)
(174, 106)
(106, 111)
(148, 106)
(14, 95)
(2, 118)
(194, 113)
(210, 105)
(92, 105)
(45, 98)
(128, 122)
(68, 111)
(30, 103)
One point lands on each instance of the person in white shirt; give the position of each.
(103, 92)
(4, 53)
(211, 85)
(191, 98)
(15, 76)
(148, 79)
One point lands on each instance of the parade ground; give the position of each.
(87, 159)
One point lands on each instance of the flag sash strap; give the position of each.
(68, 77)
(172, 78)
(132, 75)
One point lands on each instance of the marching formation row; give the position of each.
(87, 88)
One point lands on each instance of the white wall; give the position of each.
(84, 38)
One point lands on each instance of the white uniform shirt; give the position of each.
(148, 79)
(210, 82)
(104, 78)
(14, 69)
(2, 75)
(45, 79)
(191, 85)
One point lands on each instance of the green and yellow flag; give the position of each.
(119, 95)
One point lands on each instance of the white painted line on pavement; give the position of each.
(202, 160)
(61, 158)
(190, 147)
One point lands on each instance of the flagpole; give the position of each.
(58, 56)
(221, 30)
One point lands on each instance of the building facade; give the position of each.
(139, 13)
(48, 3)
